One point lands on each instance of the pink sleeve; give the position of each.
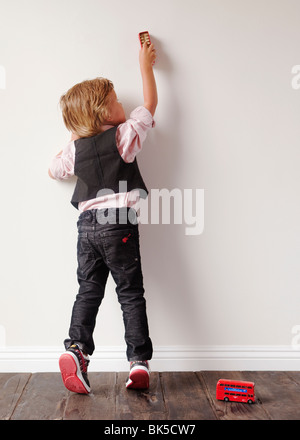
(132, 133)
(62, 165)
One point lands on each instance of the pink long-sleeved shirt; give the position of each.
(129, 139)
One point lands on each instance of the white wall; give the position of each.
(227, 122)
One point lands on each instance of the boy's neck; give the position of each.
(106, 127)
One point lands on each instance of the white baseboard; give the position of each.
(171, 358)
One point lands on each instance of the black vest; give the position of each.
(99, 167)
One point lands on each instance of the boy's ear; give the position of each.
(108, 117)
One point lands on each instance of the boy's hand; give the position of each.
(147, 55)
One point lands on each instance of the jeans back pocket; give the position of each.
(121, 247)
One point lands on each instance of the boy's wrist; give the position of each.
(146, 67)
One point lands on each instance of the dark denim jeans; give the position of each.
(102, 248)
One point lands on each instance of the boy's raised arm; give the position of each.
(147, 57)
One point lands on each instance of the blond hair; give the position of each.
(85, 106)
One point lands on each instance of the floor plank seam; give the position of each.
(115, 394)
(290, 376)
(20, 396)
(167, 411)
(64, 407)
(208, 395)
(163, 396)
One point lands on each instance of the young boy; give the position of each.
(102, 154)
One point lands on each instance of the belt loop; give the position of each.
(94, 219)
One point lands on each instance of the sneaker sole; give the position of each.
(138, 378)
(71, 374)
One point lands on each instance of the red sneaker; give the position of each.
(73, 366)
(138, 375)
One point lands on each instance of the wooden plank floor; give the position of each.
(171, 396)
